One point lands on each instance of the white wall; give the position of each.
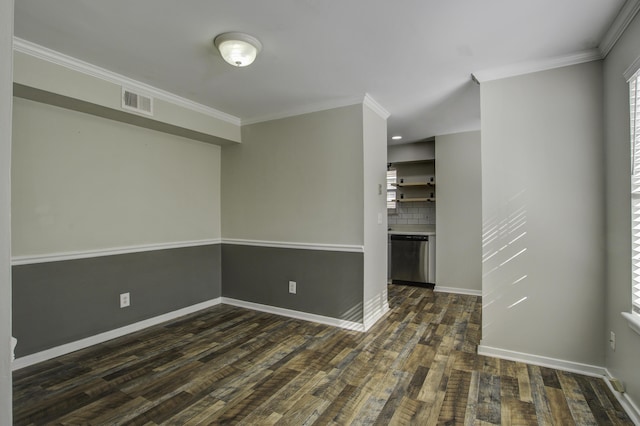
(297, 179)
(623, 362)
(82, 182)
(459, 211)
(543, 214)
(6, 84)
(375, 214)
(411, 152)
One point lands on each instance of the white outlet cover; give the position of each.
(292, 287)
(125, 300)
(612, 340)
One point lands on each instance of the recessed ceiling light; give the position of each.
(396, 138)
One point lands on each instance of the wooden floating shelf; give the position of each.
(413, 200)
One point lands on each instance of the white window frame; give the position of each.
(633, 77)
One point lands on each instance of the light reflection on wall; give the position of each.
(504, 251)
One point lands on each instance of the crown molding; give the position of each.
(632, 69)
(528, 67)
(46, 54)
(622, 21)
(308, 109)
(375, 106)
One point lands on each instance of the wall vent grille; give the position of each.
(137, 102)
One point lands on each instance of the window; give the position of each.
(634, 97)
(391, 189)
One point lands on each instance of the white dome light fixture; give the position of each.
(238, 49)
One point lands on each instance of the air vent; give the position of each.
(137, 102)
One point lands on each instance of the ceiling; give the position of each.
(413, 57)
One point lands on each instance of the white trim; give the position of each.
(631, 71)
(323, 106)
(375, 308)
(85, 254)
(305, 316)
(622, 21)
(375, 316)
(539, 65)
(634, 321)
(291, 245)
(375, 106)
(41, 52)
(629, 406)
(457, 290)
(67, 348)
(543, 361)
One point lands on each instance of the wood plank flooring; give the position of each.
(228, 365)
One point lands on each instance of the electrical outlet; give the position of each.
(125, 300)
(292, 287)
(612, 341)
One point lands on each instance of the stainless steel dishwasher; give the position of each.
(410, 259)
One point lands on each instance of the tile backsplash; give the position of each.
(419, 213)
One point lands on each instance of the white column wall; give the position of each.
(375, 215)
(543, 214)
(6, 90)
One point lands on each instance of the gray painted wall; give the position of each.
(298, 179)
(459, 211)
(82, 182)
(623, 362)
(543, 214)
(6, 82)
(60, 302)
(328, 283)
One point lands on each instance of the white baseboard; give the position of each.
(305, 316)
(108, 335)
(457, 290)
(375, 308)
(375, 316)
(543, 361)
(67, 348)
(630, 407)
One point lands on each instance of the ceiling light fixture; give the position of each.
(396, 138)
(238, 49)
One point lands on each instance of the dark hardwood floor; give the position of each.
(230, 365)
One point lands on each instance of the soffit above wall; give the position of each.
(49, 77)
